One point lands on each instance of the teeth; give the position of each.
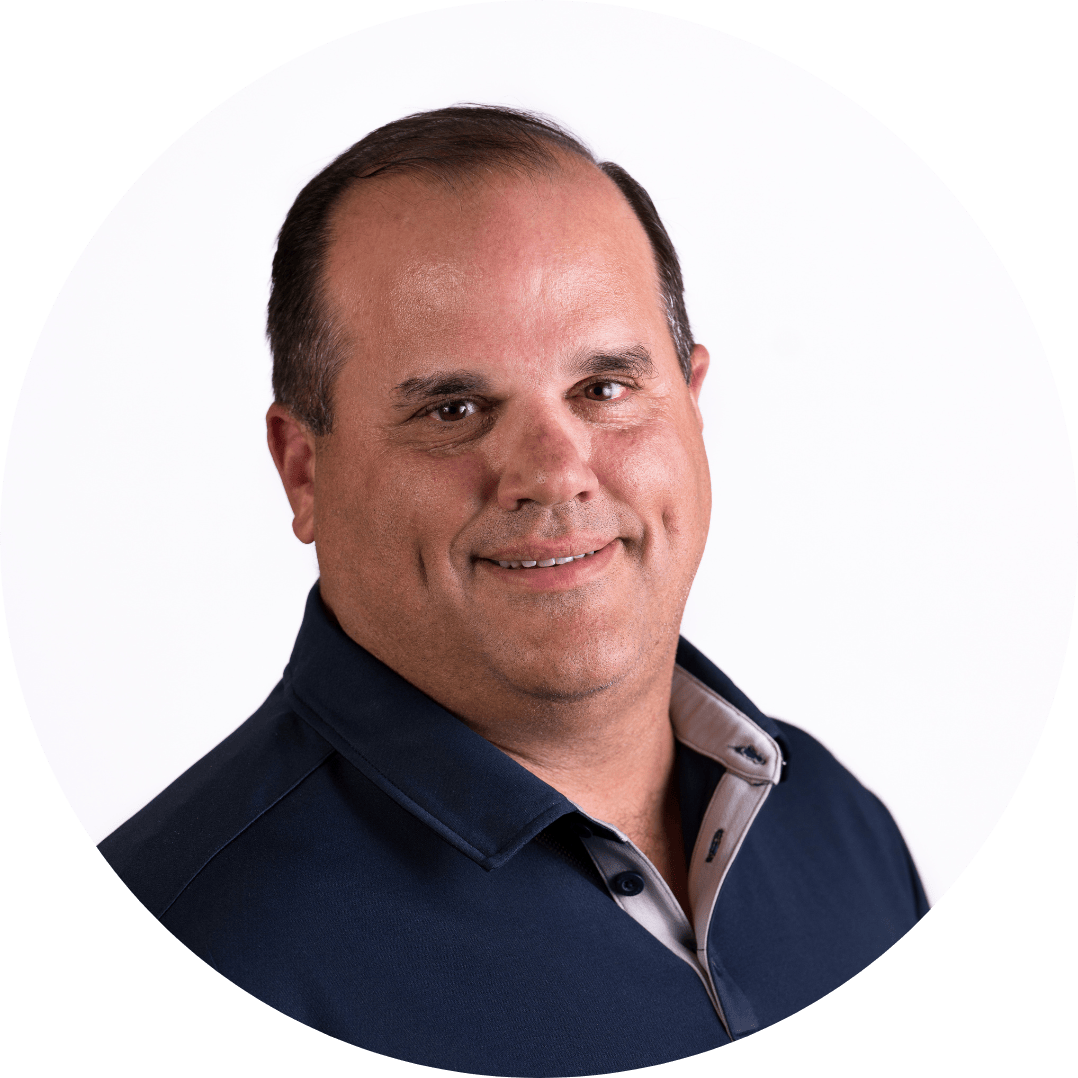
(546, 562)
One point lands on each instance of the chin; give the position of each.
(568, 670)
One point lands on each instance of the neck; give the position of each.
(614, 758)
(609, 750)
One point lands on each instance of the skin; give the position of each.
(510, 392)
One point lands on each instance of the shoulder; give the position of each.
(824, 812)
(815, 778)
(164, 846)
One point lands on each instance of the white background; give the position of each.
(892, 553)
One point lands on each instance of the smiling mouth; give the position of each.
(544, 563)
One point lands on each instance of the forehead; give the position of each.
(489, 254)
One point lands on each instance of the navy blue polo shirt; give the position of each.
(358, 858)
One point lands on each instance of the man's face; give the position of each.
(510, 395)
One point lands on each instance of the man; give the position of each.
(497, 817)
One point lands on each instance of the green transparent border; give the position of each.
(981, 91)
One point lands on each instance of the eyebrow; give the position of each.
(635, 362)
(441, 384)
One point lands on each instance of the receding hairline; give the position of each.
(459, 145)
(560, 165)
(462, 179)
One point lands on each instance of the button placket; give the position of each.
(647, 898)
(752, 760)
(636, 886)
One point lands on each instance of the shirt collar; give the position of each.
(472, 794)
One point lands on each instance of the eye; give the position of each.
(605, 391)
(453, 411)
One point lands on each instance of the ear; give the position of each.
(699, 362)
(291, 445)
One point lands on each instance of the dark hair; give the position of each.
(447, 143)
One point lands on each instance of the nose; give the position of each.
(546, 462)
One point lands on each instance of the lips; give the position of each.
(544, 563)
(547, 555)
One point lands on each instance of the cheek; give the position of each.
(434, 498)
(656, 471)
(389, 505)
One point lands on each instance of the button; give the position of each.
(627, 883)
